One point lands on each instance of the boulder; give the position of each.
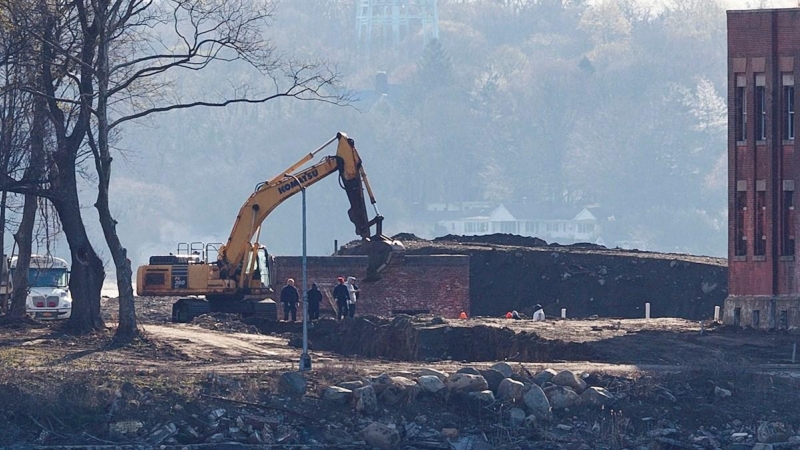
(544, 376)
(336, 395)
(486, 396)
(771, 432)
(561, 397)
(437, 373)
(351, 385)
(380, 436)
(516, 417)
(595, 396)
(493, 378)
(430, 383)
(510, 390)
(569, 379)
(292, 384)
(504, 368)
(464, 382)
(469, 370)
(365, 400)
(399, 390)
(537, 403)
(530, 422)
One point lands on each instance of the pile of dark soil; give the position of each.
(514, 273)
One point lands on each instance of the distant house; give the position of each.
(562, 224)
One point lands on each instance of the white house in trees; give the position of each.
(553, 224)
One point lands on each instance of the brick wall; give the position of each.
(437, 283)
(766, 43)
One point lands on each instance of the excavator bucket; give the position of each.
(380, 250)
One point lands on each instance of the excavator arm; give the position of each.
(235, 258)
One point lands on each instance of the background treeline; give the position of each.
(610, 104)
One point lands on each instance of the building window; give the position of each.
(788, 106)
(787, 219)
(740, 104)
(476, 227)
(761, 223)
(585, 228)
(761, 108)
(508, 227)
(531, 227)
(740, 208)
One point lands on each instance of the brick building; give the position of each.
(436, 284)
(763, 274)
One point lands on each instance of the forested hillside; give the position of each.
(608, 104)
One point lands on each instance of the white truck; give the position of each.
(48, 287)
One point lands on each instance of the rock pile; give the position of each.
(469, 409)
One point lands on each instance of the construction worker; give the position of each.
(342, 296)
(353, 291)
(289, 298)
(314, 297)
(538, 313)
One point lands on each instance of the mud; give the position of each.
(509, 272)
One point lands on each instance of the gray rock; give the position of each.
(464, 382)
(437, 373)
(215, 438)
(483, 396)
(569, 379)
(493, 378)
(292, 384)
(544, 376)
(162, 433)
(430, 383)
(510, 390)
(516, 416)
(338, 436)
(771, 432)
(399, 390)
(721, 393)
(762, 446)
(595, 396)
(469, 370)
(336, 395)
(561, 397)
(351, 385)
(530, 421)
(365, 400)
(537, 403)
(380, 436)
(504, 368)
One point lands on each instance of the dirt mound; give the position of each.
(228, 322)
(510, 272)
(497, 239)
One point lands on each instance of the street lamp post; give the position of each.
(305, 357)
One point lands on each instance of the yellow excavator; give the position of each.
(239, 280)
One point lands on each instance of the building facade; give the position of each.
(576, 225)
(763, 274)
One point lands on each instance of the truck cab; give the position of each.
(48, 288)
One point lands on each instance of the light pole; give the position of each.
(305, 357)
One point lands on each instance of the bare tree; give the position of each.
(109, 62)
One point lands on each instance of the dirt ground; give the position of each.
(675, 383)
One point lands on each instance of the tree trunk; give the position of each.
(23, 236)
(126, 329)
(5, 280)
